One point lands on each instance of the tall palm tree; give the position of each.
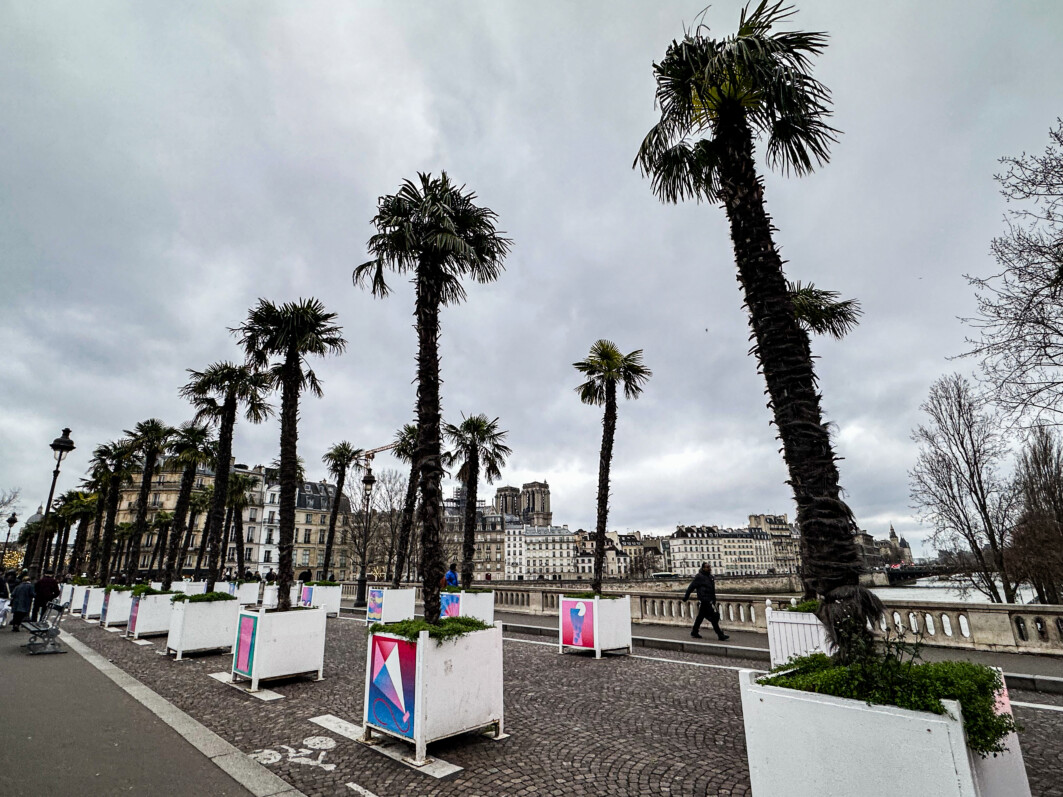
(161, 525)
(291, 332)
(191, 447)
(118, 459)
(339, 459)
(96, 483)
(434, 229)
(605, 368)
(217, 394)
(199, 504)
(82, 509)
(149, 439)
(405, 450)
(241, 496)
(717, 97)
(478, 447)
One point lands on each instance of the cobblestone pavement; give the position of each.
(653, 723)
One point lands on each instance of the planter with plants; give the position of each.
(150, 612)
(325, 594)
(155, 585)
(478, 603)
(275, 644)
(429, 682)
(92, 603)
(594, 622)
(190, 587)
(905, 726)
(202, 622)
(247, 592)
(77, 597)
(270, 594)
(116, 603)
(795, 631)
(385, 605)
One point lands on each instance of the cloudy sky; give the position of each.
(165, 164)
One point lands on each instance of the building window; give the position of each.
(272, 500)
(252, 514)
(306, 537)
(309, 518)
(250, 534)
(267, 556)
(269, 539)
(305, 558)
(272, 516)
(247, 554)
(232, 553)
(321, 537)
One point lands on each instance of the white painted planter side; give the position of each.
(396, 605)
(77, 597)
(201, 626)
(190, 587)
(278, 644)
(247, 593)
(794, 634)
(152, 615)
(270, 595)
(92, 603)
(327, 598)
(66, 593)
(155, 584)
(115, 609)
(885, 750)
(612, 624)
(480, 605)
(458, 687)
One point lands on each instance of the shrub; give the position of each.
(147, 589)
(207, 597)
(591, 595)
(448, 628)
(804, 606)
(117, 588)
(470, 590)
(321, 583)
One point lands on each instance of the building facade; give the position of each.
(730, 552)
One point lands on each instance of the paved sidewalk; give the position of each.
(69, 729)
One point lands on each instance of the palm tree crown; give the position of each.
(149, 439)
(605, 366)
(339, 459)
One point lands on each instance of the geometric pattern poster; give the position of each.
(375, 605)
(577, 623)
(450, 604)
(392, 685)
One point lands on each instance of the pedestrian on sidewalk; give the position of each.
(5, 601)
(705, 587)
(451, 578)
(21, 602)
(45, 591)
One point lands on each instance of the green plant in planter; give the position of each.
(206, 597)
(80, 581)
(586, 596)
(321, 583)
(469, 590)
(146, 589)
(447, 628)
(810, 606)
(117, 588)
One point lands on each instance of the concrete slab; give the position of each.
(245, 687)
(395, 750)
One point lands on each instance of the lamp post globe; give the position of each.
(11, 521)
(61, 446)
(367, 494)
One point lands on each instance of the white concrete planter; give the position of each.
(205, 625)
(480, 605)
(149, 615)
(190, 587)
(92, 603)
(328, 598)
(115, 609)
(77, 598)
(278, 644)
(850, 748)
(247, 593)
(385, 605)
(155, 584)
(794, 634)
(596, 624)
(424, 691)
(270, 595)
(66, 593)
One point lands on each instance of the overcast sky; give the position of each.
(165, 164)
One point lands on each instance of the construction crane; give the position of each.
(368, 455)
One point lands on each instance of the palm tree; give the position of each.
(338, 460)
(605, 368)
(217, 394)
(96, 483)
(433, 229)
(160, 524)
(149, 440)
(117, 458)
(822, 312)
(241, 496)
(191, 447)
(200, 503)
(716, 97)
(406, 451)
(291, 332)
(478, 446)
(83, 508)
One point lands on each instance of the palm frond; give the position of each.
(820, 311)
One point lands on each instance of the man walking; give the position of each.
(705, 586)
(45, 591)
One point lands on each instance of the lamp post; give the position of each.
(367, 494)
(11, 521)
(61, 446)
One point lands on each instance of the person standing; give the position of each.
(452, 576)
(45, 591)
(21, 602)
(705, 587)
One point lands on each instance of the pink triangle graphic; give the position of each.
(381, 649)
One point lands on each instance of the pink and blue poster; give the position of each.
(103, 611)
(244, 650)
(392, 685)
(374, 609)
(449, 604)
(133, 616)
(85, 604)
(308, 595)
(577, 623)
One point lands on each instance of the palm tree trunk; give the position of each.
(402, 556)
(428, 445)
(239, 530)
(208, 531)
(289, 466)
(158, 554)
(182, 561)
(221, 486)
(605, 460)
(60, 552)
(108, 531)
(97, 528)
(333, 515)
(80, 539)
(468, 546)
(229, 511)
(184, 497)
(140, 522)
(783, 352)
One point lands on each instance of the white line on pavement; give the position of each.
(1041, 706)
(362, 790)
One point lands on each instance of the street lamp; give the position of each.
(11, 521)
(367, 494)
(61, 446)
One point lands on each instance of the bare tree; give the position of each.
(9, 499)
(357, 536)
(1036, 553)
(1020, 308)
(959, 485)
(389, 495)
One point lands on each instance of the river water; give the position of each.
(935, 589)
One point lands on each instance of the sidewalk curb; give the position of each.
(240, 767)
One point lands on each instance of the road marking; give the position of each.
(245, 687)
(141, 642)
(362, 790)
(1041, 706)
(336, 725)
(388, 745)
(647, 658)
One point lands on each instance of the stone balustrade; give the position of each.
(1009, 628)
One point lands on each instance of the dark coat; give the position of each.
(22, 598)
(46, 589)
(705, 586)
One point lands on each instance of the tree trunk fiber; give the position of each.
(402, 556)
(97, 530)
(239, 545)
(333, 515)
(604, 462)
(141, 520)
(80, 539)
(108, 531)
(230, 510)
(202, 553)
(180, 515)
(289, 467)
(428, 445)
(221, 487)
(468, 547)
